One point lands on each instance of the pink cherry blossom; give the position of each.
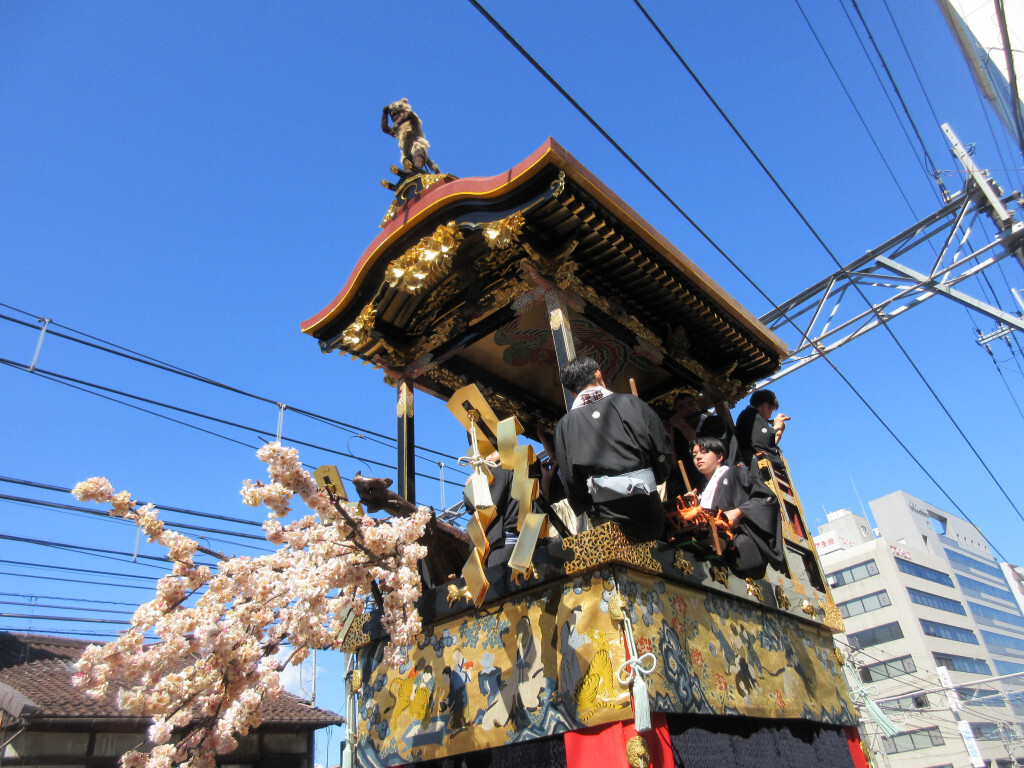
(219, 630)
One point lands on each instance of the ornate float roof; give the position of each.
(456, 286)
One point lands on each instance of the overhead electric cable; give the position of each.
(105, 516)
(89, 387)
(832, 255)
(934, 173)
(707, 237)
(124, 352)
(163, 508)
(856, 109)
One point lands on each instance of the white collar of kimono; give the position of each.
(591, 395)
(707, 498)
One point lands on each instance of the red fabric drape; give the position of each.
(605, 745)
(853, 740)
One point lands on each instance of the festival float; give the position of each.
(586, 648)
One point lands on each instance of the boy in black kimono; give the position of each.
(752, 509)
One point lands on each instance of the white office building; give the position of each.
(918, 593)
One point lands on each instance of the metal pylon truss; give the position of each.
(902, 273)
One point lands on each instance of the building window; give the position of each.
(976, 588)
(864, 604)
(854, 573)
(965, 563)
(876, 635)
(906, 703)
(1007, 667)
(923, 572)
(981, 697)
(884, 670)
(908, 742)
(984, 614)
(962, 663)
(1003, 642)
(947, 632)
(986, 731)
(934, 601)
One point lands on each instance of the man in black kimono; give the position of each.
(613, 452)
(752, 509)
(757, 431)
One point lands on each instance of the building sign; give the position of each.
(831, 542)
(901, 552)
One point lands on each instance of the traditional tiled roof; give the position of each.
(36, 670)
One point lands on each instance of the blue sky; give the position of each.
(191, 181)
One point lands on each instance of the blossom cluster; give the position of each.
(218, 630)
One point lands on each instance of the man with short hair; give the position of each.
(752, 509)
(613, 452)
(757, 431)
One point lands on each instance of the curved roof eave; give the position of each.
(550, 153)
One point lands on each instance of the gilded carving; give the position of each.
(685, 566)
(833, 618)
(782, 598)
(446, 378)
(558, 185)
(357, 635)
(404, 408)
(754, 590)
(455, 594)
(808, 607)
(605, 544)
(506, 293)
(637, 752)
(504, 233)
(424, 265)
(719, 573)
(358, 333)
(356, 679)
(839, 657)
(520, 576)
(440, 334)
(567, 280)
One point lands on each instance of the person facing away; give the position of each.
(757, 431)
(752, 509)
(613, 452)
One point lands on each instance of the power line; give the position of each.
(98, 390)
(708, 238)
(124, 352)
(825, 247)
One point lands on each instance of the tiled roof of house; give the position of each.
(39, 668)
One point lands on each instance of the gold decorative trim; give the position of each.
(506, 292)
(405, 404)
(440, 334)
(720, 574)
(808, 607)
(839, 657)
(357, 636)
(446, 378)
(455, 594)
(358, 333)
(607, 544)
(567, 280)
(833, 618)
(424, 265)
(782, 598)
(754, 590)
(504, 233)
(356, 680)
(679, 561)
(637, 752)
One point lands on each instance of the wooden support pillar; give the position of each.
(406, 463)
(561, 335)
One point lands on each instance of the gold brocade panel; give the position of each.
(546, 662)
(720, 655)
(539, 664)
